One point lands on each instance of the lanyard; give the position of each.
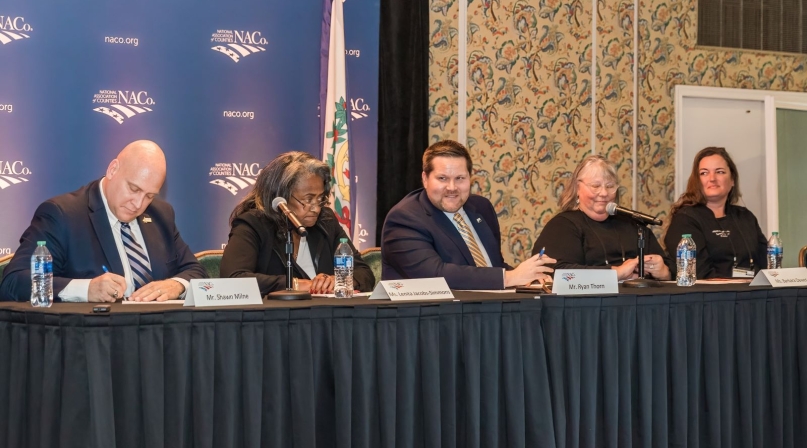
(605, 252)
(742, 237)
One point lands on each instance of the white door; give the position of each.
(738, 126)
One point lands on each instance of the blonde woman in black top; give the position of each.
(584, 236)
(727, 236)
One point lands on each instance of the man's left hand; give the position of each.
(159, 291)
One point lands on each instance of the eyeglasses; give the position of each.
(312, 203)
(596, 188)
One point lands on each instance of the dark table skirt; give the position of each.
(714, 367)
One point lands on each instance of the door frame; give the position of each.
(772, 100)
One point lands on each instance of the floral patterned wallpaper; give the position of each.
(529, 96)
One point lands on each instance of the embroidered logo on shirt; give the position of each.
(722, 233)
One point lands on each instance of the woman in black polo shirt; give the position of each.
(727, 235)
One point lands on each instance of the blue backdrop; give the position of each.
(222, 87)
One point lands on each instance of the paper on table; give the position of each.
(495, 291)
(722, 281)
(167, 302)
(332, 296)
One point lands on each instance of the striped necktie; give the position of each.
(470, 241)
(138, 261)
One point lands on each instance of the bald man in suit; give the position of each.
(115, 223)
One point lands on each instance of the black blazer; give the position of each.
(78, 235)
(419, 241)
(254, 250)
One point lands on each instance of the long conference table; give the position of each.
(706, 366)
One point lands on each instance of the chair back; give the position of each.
(3, 262)
(803, 257)
(211, 261)
(372, 257)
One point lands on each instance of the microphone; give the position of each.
(280, 203)
(613, 209)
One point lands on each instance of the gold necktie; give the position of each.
(468, 236)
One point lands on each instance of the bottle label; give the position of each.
(343, 262)
(688, 254)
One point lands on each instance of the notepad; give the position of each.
(333, 296)
(167, 302)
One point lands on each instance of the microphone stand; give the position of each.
(289, 293)
(641, 282)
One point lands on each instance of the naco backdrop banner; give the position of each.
(222, 87)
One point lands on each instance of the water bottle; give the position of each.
(686, 257)
(41, 276)
(775, 252)
(343, 270)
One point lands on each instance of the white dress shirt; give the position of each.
(78, 289)
(304, 260)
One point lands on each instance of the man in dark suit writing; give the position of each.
(115, 224)
(442, 230)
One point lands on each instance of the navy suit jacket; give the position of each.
(420, 241)
(78, 235)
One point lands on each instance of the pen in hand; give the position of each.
(106, 271)
(541, 254)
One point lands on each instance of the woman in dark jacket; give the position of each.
(256, 247)
(727, 236)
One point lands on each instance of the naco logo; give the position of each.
(358, 109)
(13, 28)
(238, 44)
(234, 176)
(12, 172)
(123, 104)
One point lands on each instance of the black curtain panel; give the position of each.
(402, 101)
(703, 369)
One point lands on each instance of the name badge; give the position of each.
(585, 281)
(223, 292)
(779, 278)
(412, 289)
(742, 273)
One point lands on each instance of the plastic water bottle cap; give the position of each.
(686, 235)
(343, 240)
(776, 233)
(40, 243)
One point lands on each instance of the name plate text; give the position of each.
(585, 281)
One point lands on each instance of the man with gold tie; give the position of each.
(442, 230)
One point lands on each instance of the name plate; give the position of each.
(779, 278)
(569, 282)
(223, 292)
(412, 289)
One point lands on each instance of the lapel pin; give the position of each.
(146, 220)
(478, 219)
